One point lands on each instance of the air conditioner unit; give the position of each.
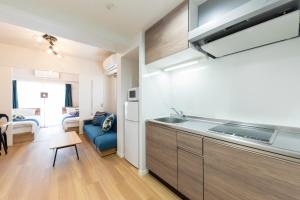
(46, 74)
(110, 65)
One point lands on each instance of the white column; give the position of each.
(6, 97)
(142, 137)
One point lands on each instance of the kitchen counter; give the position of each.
(286, 142)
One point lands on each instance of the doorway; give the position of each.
(48, 96)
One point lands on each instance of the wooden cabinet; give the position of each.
(190, 165)
(190, 142)
(232, 172)
(169, 35)
(209, 169)
(190, 175)
(162, 153)
(176, 157)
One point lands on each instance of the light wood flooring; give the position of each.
(27, 173)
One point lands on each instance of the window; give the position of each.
(51, 107)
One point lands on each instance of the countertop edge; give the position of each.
(279, 153)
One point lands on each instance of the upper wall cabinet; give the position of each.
(169, 35)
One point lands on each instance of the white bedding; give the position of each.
(71, 122)
(26, 126)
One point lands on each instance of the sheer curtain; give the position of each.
(54, 103)
(51, 107)
(29, 94)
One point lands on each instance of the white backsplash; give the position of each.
(157, 95)
(258, 86)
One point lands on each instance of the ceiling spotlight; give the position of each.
(110, 6)
(49, 51)
(39, 39)
(55, 48)
(59, 56)
(51, 39)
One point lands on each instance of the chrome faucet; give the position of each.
(178, 113)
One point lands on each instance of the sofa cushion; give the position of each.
(92, 131)
(96, 115)
(98, 120)
(115, 126)
(108, 123)
(106, 141)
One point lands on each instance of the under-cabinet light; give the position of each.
(152, 74)
(181, 65)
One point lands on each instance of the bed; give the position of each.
(70, 120)
(25, 127)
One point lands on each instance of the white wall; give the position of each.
(155, 100)
(128, 77)
(89, 72)
(70, 78)
(257, 86)
(120, 109)
(6, 96)
(110, 94)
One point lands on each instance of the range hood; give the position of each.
(253, 24)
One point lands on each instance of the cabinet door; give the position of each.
(190, 175)
(232, 172)
(169, 35)
(190, 142)
(162, 153)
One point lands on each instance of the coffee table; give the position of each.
(64, 140)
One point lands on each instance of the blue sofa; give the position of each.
(106, 142)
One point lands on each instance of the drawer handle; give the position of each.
(189, 151)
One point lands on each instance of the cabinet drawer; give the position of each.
(190, 175)
(190, 142)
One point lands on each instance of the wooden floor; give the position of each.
(27, 173)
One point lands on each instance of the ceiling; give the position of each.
(108, 24)
(19, 36)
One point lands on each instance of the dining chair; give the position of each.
(3, 136)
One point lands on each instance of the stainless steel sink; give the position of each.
(172, 120)
(262, 134)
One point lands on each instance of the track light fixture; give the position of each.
(52, 49)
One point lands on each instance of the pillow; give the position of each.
(24, 111)
(74, 114)
(18, 117)
(71, 109)
(98, 120)
(97, 114)
(108, 122)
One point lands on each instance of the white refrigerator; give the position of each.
(132, 132)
